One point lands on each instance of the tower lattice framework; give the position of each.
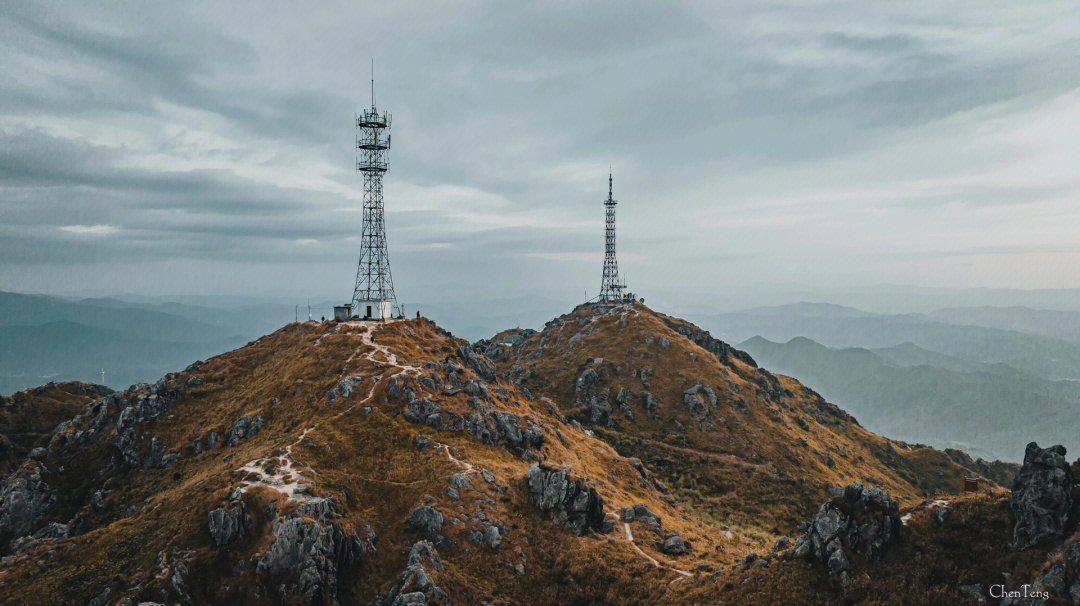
(611, 289)
(373, 294)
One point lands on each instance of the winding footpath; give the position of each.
(287, 476)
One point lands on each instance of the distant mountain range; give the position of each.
(928, 378)
(1048, 347)
(47, 338)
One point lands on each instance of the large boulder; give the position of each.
(427, 519)
(1041, 496)
(855, 521)
(568, 502)
(674, 545)
(600, 411)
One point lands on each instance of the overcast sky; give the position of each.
(163, 148)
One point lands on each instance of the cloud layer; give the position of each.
(166, 149)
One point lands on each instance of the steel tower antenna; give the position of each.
(373, 294)
(611, 290)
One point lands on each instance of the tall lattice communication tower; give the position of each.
(373, 296)
(611, 289)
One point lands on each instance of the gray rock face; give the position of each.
(24, 500)
(415, 585)
(483, 424)
(307, 555)
(134, 408)
(568, 502)
(492, 537)
(427, 519)
(586, 380)
(699, 399)
(640, 513)
(344, 388)
(226, 523)
(973, 592)
(478, 364)
(643, 374)
(460, 480)
(477, 389)
(53, 530)
(855, 521)
(423, 411)
(100, 599)
(244, 428)
(600, 411)
(674, 545)
(1041, 496)
(649, 403)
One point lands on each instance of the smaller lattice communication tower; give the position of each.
(611, 289)
(373, 294)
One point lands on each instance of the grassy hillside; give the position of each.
(760, 459)
(341, 463)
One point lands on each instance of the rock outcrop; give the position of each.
(699, 399)
(568, 502)
(344, 389)
(640, 513)
(24, 500)
(484, 423)
(427, 520)
(308, 553)
(226, 524)
(723, 352)
(415, 586)
(244, 428)
(855, 521)
(1041, 496)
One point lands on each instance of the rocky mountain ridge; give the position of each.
(617, 456)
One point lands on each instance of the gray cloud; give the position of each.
(781, 143)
